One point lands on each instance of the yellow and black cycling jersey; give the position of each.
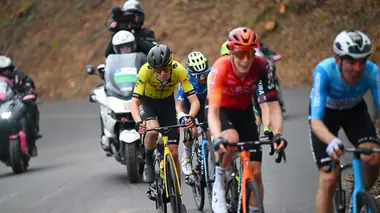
(147, 84)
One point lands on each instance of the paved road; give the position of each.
(72, 174)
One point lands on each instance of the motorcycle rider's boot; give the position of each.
(33, 151)
(105, 144)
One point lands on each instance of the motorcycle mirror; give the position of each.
(90, 70)
(101, 67)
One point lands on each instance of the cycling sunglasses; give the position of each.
(241, 54)
(202, 75)
(165, 69)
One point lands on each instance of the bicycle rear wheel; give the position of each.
(367, 203)
(173, 188)
(198, 183)
(209, 170)
(253, 189)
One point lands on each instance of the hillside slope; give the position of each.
(54, 40)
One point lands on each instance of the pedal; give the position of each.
(151, 194)
(190, 180)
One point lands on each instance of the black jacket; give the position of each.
(23, 83)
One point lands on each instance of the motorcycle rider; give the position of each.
(131, 18)
(24, 85)
(123, 42)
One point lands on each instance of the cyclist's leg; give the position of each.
(361, 132)
(231, 135)
(327, 181)
(186, 160)
(166, 117)
(245, 125)
(149, 115)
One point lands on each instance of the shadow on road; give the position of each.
(30, 170)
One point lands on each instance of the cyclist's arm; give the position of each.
(138, 92)
(265, 113)
(179, 99)
(270, 91)
(214, 96)
(189, 92)
(375, 85)
(318, 100)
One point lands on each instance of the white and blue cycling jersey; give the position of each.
(200, 90)
(331, 92)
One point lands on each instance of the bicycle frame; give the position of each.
(167, 152)
(358, 181)
(246, 176)
(357, 169)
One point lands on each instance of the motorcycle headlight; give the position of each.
(6, 115)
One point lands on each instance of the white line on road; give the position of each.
(8, 197)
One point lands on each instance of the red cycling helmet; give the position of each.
(242, 38)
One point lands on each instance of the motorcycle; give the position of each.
(15, 132)
(120, 138)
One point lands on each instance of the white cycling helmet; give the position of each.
(352, 44)
(196, 62)
(123, 42)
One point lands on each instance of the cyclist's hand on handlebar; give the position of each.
(189, 121)
(140, 127)
(335, 148)
(268, 133)
(281, 143)
(219, 144)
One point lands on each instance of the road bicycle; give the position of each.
(360, 198)
(238, 195)
(203, 160)
(166, 187)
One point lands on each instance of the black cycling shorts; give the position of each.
(356, 123)
(243, 121)
(201, 113)
(162, 110)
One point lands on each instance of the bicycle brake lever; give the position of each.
(281, 155)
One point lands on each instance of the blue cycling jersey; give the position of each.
(331, 92)
(200, 89)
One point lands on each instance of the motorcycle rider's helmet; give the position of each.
(123, 42)
(160, 56)
(242, 38)
(352, 44)
(197, 66)
(135, 9)
(6, 66)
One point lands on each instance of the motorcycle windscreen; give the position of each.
(6, 92)
(121, 74)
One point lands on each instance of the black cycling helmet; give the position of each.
(159, 56)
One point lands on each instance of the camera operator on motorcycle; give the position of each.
(131, 18)
(23, 85)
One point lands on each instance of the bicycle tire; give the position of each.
(252, 187)
(175, 200)
(198, 186)
(209, 168)
(160, 190)
(366, 200)
(232, 193)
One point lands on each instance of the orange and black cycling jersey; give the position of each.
(226, 90)
(149, 85)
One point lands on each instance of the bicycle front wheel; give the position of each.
(173, 187)
(198, 183)
(209, 170)
(366, 202)
(253, 190)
